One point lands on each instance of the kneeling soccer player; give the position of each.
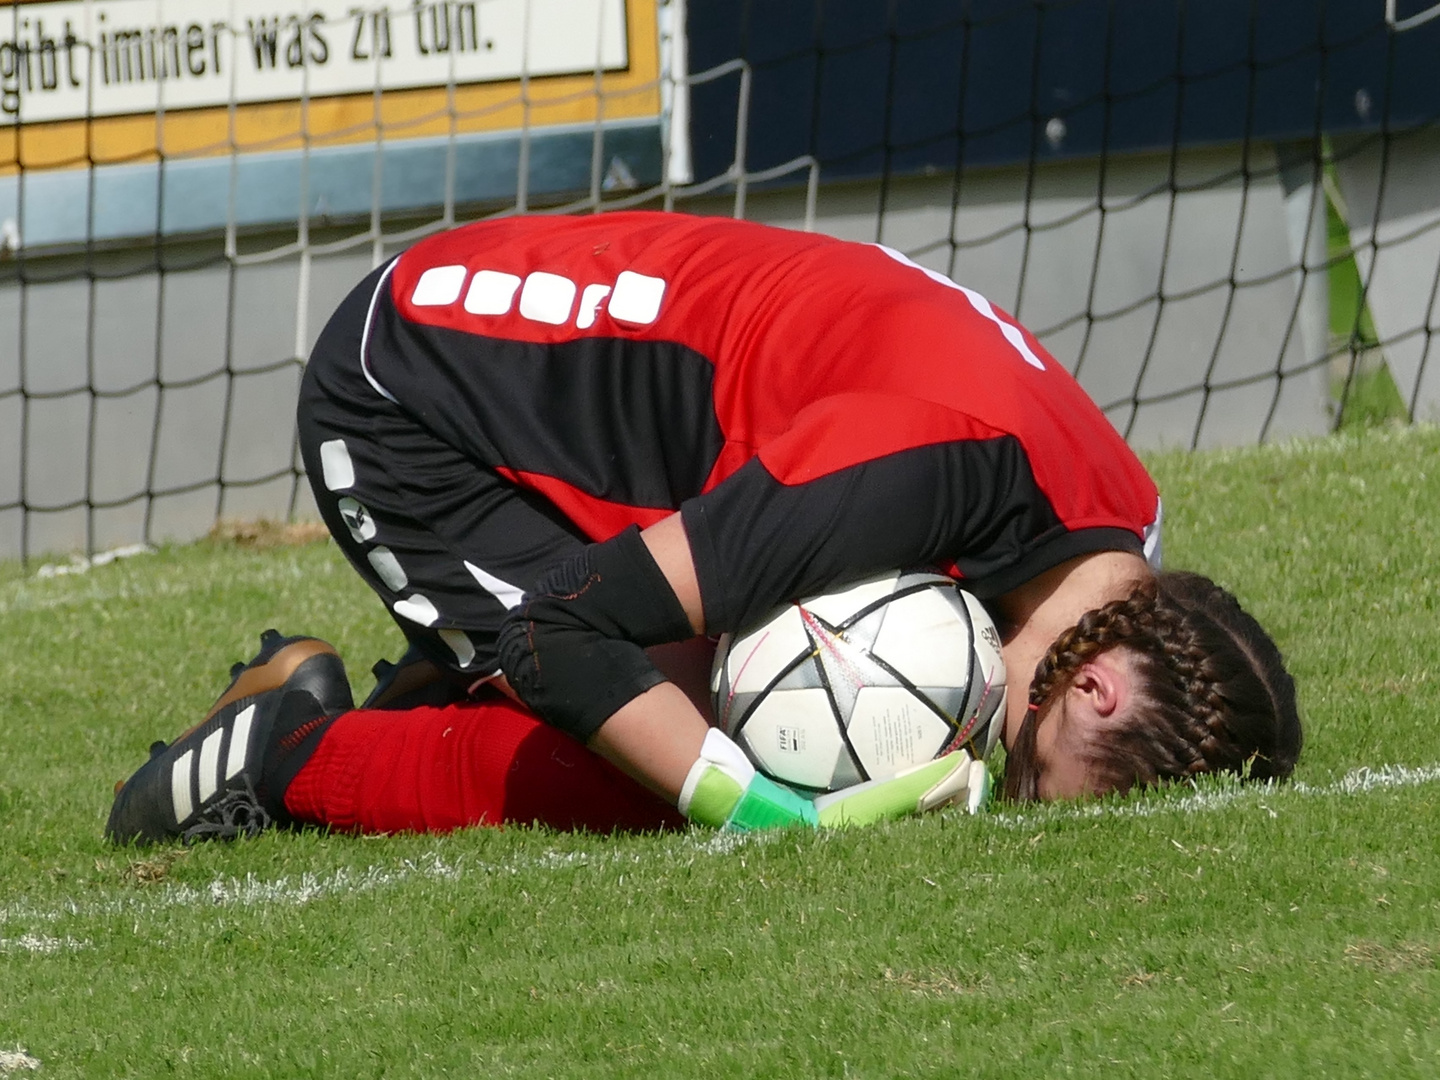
(551, 443)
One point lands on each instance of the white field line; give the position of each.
(41, 943)
(17, 1059)
(81, 565)
(1356, 782)
(249, 891)
(252, 891)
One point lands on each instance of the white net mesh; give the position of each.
(1221, 217)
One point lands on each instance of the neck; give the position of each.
(1039, 611)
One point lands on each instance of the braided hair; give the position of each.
(1211, 691)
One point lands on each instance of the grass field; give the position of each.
(1213, 932)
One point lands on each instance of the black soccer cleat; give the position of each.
(226, 777)
(278, 663)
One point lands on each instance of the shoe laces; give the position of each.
(235, 814)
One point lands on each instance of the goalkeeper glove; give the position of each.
(724, 790)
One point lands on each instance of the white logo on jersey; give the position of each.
(590, 301)
(491, 293)
(634, 299)
(438, 286)
(357, 519)
(547, 298)
(637, 298)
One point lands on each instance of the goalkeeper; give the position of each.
(550, 444)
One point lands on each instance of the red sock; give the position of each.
(480, 763)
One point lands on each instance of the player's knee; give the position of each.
(570, 673)
(573, 648)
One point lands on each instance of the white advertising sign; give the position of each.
(72, 59)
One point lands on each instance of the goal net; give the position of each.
(1222, 217)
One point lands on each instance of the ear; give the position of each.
(1103, 684)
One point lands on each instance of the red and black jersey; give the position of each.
(817, 409)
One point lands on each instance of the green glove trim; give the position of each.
(767, 805)
(715, 798)
(925, 787)
(724, 791)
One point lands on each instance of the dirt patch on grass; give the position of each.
(152, 869)
(264, 533)
(1406, 956)
(937, 983)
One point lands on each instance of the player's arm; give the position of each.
(657, 736)
(575, 647)
(575, 653)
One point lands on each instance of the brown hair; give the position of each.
(1213, 694)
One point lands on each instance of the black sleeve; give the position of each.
(758, 542)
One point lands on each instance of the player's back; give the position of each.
(697, 341)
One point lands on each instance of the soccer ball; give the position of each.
(859, 684)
